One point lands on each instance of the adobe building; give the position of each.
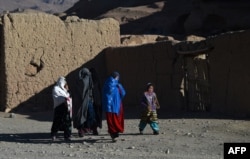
(208, 75)
(37, 48)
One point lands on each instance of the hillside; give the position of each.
(172, 18)
(200, 17)
(49, 6)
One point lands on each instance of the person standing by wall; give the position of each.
(62, 109)
(113, 94)
(84, 115)
(149, 104)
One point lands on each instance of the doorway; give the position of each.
(197, 83)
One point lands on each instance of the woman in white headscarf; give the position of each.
(62, 109)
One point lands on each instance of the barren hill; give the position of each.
(170, 17)
(161, 17)
(50, 6)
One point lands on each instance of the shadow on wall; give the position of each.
(2, 73)
(156, 63)
(42, 102)
(39, 107)
(148, 63)
(212, 82)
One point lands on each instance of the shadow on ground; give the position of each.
(44, 138)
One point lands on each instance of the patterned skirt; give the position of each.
(149, 116)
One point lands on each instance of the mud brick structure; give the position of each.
(37, 48)
(199, 75)
(210, 75)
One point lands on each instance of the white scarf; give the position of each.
(60, 94)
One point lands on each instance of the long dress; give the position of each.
(83, 100)
(62, 109)
(113, 93)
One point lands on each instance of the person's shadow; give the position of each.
(26, 138)
(44, 138)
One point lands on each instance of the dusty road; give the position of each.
(27, 137)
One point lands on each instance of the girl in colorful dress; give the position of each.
(149, 105)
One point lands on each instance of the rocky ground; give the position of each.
(181, 137)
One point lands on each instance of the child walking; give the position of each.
(62, 109)
(149, 105)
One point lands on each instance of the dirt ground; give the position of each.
(181, 137)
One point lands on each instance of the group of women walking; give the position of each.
(84, 106)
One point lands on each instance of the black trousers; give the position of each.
(61, 121)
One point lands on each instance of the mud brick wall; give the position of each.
(230, 73)
(2, 70)
(158, 63)
(39, 47)
(153, 63)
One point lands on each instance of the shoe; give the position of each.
(117, 135)
(86, 131)
(114, 139)
(114, 136)
(80, 133)
(156, 132)
(141, 131)
(95, 132)
(67, 139)
(53, 138)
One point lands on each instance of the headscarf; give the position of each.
(85, 94)
(59, 93)
(61, 82)
(115, 74)
(149, 99)
(113, 93)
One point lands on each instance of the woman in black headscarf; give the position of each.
(86, 113)
(83, 102)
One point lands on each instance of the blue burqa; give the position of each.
(113, 92)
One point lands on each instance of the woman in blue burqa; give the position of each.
(113, 94)
(84, 117)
